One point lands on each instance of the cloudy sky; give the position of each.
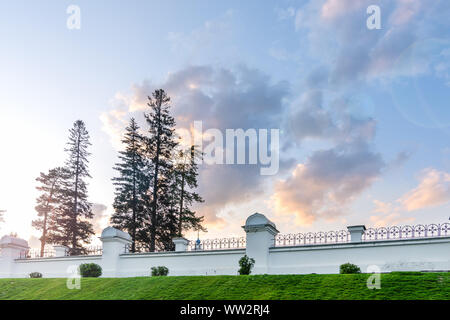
(364, 115)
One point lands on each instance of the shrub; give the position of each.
(348, 268)
(35, 275)
(246, 264)
(159, 271)
(90, 270)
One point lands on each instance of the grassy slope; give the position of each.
(393, 286)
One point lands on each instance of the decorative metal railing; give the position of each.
(407, 232)
(93, 251)
(217, 244)
(49, 253)
(371, 234)
(36, 253)
(140, 249)
(298, 239)
(312, 238)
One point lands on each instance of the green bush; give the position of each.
(246, 264)
(348, 268)
(159, 271)
(35, 275)
(90, 270)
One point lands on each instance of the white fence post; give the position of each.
(11, 249)
(356, 232)
(114, 244)
(60, 250)
(260, 234)
(181, 244)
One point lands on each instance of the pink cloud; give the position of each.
(326, 184)
(433, 190)
(333, 9)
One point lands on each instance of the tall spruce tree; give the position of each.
(185, 173)
(131, 185)
(159, 148)
(73, 226)
(50, 188)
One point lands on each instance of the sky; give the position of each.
(363, 114)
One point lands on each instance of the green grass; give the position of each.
(394, 286)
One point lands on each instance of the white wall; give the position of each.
(395, 255)
(223, 262)
(426, 254)
(51, 267)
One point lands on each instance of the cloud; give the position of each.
(382, 207)
(221, 98)
(388, 214)
(203, 41)
(327, 182)
(34, 242)
(390, 219)
(334, 9)
(433, 190)
(285, 13)
(336, 33)
(100, 217)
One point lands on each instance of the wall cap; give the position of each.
(181, 240)
(9, 241)
(110, 233)
(357, 228)
(258, 222)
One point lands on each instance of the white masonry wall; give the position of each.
(416, 254)
(61, 267)
(395, 255)
(209, 263)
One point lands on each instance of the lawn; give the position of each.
(394, 286)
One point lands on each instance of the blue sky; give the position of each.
(364, 114)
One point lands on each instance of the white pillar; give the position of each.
(114, 243)
(61, 251)
(11, 248)
(181, 244)
(261, 234)
(356, 232)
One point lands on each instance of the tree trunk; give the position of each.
(155, 179)
(133, 230)
(75, 211)
(180, 226)
(44, 226)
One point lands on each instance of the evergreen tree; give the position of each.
(132, 185)
(185, 175)
(73, 226)
(159, 147)
(47, 202)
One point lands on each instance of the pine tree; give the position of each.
(47, 202)
(131, 185)
(185, 175)
(159, 147)
(73, 226)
